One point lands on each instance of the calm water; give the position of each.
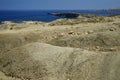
(42, 15)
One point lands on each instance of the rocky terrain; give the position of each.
(86, 48)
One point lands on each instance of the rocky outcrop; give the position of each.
(81, 19)
(86, 48)
(38, 61)
(4, 77)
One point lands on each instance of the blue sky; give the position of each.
(58, 4)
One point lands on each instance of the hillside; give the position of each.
(66, 49)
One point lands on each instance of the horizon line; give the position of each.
(53, 9)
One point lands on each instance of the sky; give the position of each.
(58, 4)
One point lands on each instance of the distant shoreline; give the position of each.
(19, 16)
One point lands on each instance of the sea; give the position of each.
(43, 16)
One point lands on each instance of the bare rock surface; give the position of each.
(86, 48)
(39, 61)
(4, 77)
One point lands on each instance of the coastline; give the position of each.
(64, 49)
(43, 16)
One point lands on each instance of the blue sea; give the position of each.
(42, 15)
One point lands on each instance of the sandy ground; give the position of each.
(65, 49)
